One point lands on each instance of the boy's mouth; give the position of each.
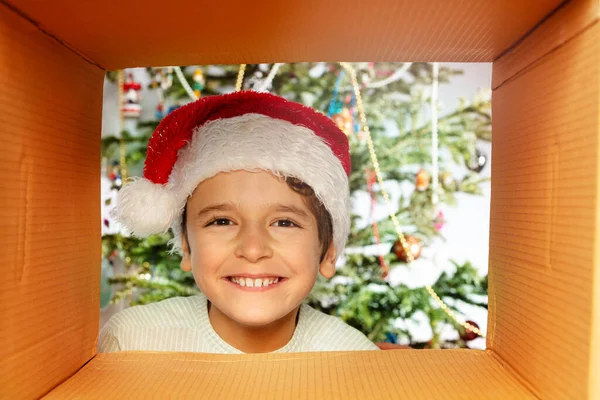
(255, 283)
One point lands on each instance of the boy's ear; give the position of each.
(186, 259)
(327, 266)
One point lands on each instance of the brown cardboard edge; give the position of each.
(39, 27)
(509, 370)
(594, 366)
(208, 358)
(560, 27)
(50, 390)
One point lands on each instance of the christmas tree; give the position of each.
(395, 98)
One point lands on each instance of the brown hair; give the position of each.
(316, 207)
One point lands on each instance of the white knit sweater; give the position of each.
(182, 324)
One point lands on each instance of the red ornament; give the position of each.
(468, 335)
(131, 107)
(414, 247)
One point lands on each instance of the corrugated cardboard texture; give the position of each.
(399, 374)
(567, 22)
(544, 219)
(51, 101)
(118, 34)
(545, 233)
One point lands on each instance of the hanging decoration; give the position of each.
(422, 180)
(198, 84)
(341, 108)
(343, 120)
(478, 161)
(131, 108)
(466, 334)
(240, 78)
(414, 249)
(401, 237)
(115, 176)
(163, 80)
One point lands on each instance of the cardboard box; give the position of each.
(544, 320)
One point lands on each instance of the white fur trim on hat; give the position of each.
(146, 208)
(246, 142)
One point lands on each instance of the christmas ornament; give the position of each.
(422, 180)
(468, 335)
(478, 161)
(198, 84)
(343, 120)
(163, 80)
(115, 175)
(131, 106)
(414, 247)
(166, 78)
(336, 104)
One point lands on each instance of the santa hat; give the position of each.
(238, 131)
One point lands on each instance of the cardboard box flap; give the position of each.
(50, 207)
(565, 24)
(400, 374)
(117, 34)
(544, 231)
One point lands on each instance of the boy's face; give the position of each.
(245, 228)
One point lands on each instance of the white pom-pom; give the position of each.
(146, 208)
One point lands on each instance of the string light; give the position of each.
(240, 78)
(186, 86)
(386, 197)
(266, 84)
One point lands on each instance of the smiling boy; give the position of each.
(255, 189)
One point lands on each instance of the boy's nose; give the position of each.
(253, 244)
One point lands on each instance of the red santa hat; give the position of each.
(237, 131)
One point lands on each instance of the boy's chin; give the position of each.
(257, 318)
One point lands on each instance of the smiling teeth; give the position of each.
(249, 282)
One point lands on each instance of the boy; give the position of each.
(255, 189)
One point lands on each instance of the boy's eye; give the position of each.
(285, 223)
(221, 222)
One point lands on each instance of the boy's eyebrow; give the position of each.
(291, 209)
(215, 207)
(228, 207)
